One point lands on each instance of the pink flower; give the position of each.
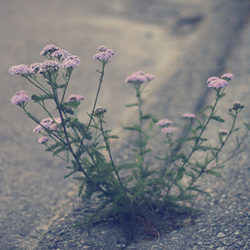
(58, 120)
(168, 130)
(49, 49)
(71, 62)
(20, 98)
(218, 83)
(21, 69)
(103, 48)
(188, 116)
(49, 66)
(46, 122)
(105, 54)
(43, 139)
(34, 68)
(61, 54)
(37, 129)
(77, 98)
(164, 122)
(150, 77)
(227, 76)
(139, 77)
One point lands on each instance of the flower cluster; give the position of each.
(43, 139)
(71, 62)
(168, 130)
(139, 77)
(20, 98)
(218, 83)
(105, 54)
(48, 123)
(49, 49)
(57, 58)
(21, 69)
(61, 54)
(237, 105)
(188, 116)
(99, 111)
(76, 98)
(164, 124)
(48, 66)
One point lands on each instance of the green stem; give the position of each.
(213, 157)
(140, 115)
(94, 106)
(51, 133)
(40, 86)
(196, 141)
(66, 86)
(67, 138)
(110, 156)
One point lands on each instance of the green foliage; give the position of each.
(152, 182)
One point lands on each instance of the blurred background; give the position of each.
(181, 42)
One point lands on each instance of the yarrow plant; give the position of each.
(150, 184)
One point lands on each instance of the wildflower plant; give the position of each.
(153, 184)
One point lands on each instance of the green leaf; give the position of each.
(72, 172)
(203, 109)
(114, 136)
(39, 98)
(212, 172)
(147, 116)
(135, 128)
(236, 129)
(184, 196)
(217, 118)
(131, 105)
(199, 190)
(190, 173)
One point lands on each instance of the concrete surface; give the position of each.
(181, 42)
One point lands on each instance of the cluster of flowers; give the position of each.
(165, 123)
(47, 123)
(139, 77)
(75, 98)
(20, 98)
(213, 82)
(57, 58)
(105, 54)
(218, 83)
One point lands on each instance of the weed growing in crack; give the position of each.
(146, 192)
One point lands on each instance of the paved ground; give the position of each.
(182, 43)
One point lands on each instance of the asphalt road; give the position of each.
(180, 42)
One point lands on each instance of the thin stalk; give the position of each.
(41, 88)
(94, 106)
(67, 138)
(140, 115)
(111, 158)
(66, 85)
(51, 133)
(213, 157)
(46, 110)
(234, 151)
(196, 141)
